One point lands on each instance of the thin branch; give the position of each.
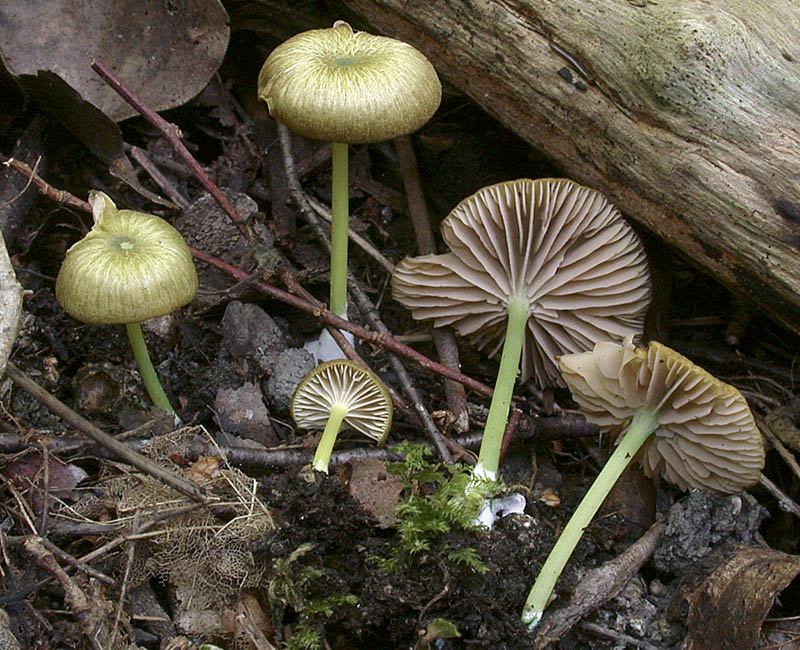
(385, 341)
(173, 136)
(364, 305)
(142, 463)
(443, 337)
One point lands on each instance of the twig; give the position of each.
(78, 564)
(59, 196)
(324, 315)
(784, 500)
(119, 449)
(787, 455)
(364, 305)
(443, 337)
(599, 630)
(363, 243)
(91, 624)
(5, 204)
(369, 312)
(155, 173)
(598, 586)
(172, 135)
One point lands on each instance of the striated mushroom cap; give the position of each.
(369, 407)
(559, 244)
(706, 437)
(343, 86)
(131, 266)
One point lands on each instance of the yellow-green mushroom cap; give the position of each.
(368, 404)
(131, 266)
(353, 87)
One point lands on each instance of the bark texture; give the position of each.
(687, 114)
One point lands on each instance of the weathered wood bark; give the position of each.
(690, 121)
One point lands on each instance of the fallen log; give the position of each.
(686, 113)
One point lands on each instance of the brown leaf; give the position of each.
(724, 607)
(28, 473)
(164, 52)
(375, 489)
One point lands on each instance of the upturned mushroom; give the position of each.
(130, 267)
(341, 394)
(682, 422)
(537, 267)
(347, 87)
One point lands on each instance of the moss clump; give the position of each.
(437, 500)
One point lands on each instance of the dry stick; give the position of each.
(78, 564)
(784, 499)
(272, 291)
(443, 337)
(74, 597)
(363, 303)
(361, 242)
(369, 312)
(598, 586)
(155, 173)
(172, 134)
(123, 452)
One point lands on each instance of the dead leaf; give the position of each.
(725, 606)
(28, 474)
(375, 489)
(164, 51)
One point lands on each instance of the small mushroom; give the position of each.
(346, 87)
(341, 394)
(130, 266)
(537, 267)
(684, 424)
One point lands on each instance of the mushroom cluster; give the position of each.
(685, 425)
(341, 394)
(347, 87)
(537, 267)
(131, 266)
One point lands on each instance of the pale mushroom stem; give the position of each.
(489, 455)
(322, 456)
(340, 217)
(146, 370)
(642, 426)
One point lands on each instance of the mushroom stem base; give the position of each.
(641, 428)
(146, 370)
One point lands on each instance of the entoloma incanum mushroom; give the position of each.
(341, 394)
(537, 267)
(684, 424)
(347, 87)
(130, 266)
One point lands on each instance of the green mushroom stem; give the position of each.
(322, 456)
(489, 454)
(340, 218)
(146, 370)
(642, 426)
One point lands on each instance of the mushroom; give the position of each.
(347, 87)
(685, 424)
(539, 267)
(341, 394)
(130, 266)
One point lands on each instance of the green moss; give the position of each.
(437, 500)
